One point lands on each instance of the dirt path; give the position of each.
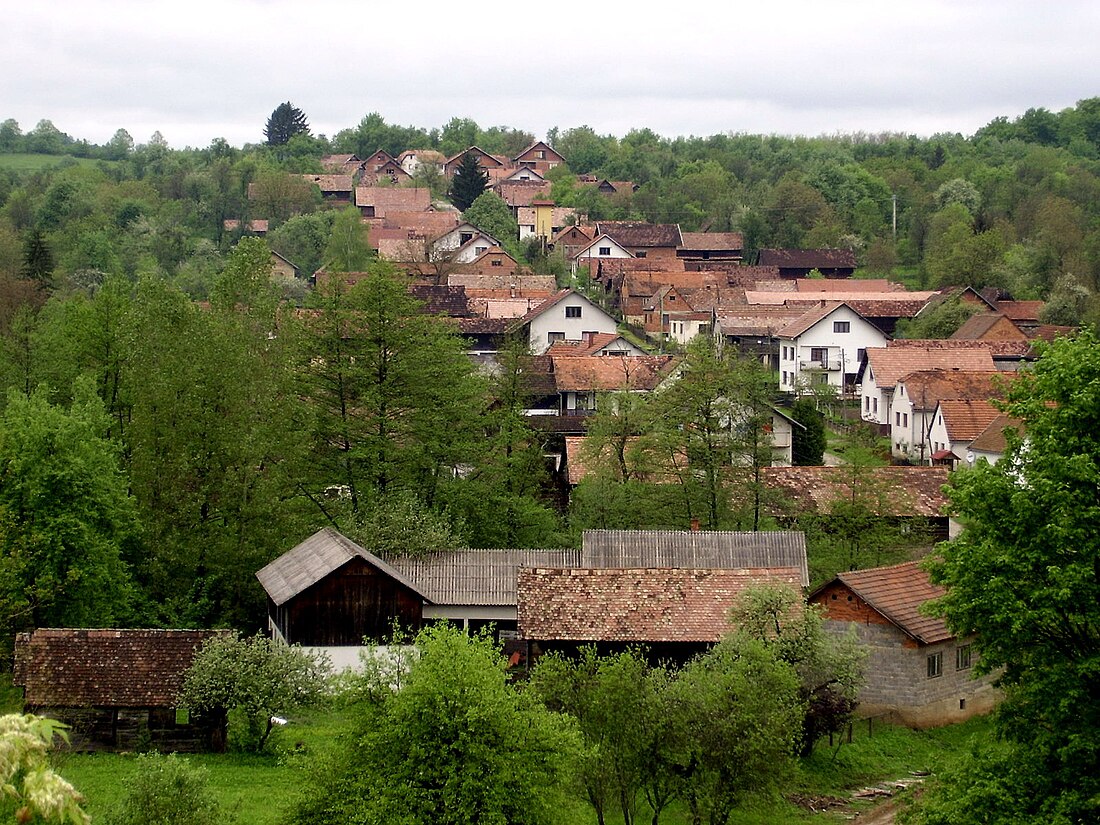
(880, 814)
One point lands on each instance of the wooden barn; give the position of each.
(330, 592)
(117, 689)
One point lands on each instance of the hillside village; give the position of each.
(635, 425)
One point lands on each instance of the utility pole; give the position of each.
(894, 200)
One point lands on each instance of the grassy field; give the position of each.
(261, 789)
(36, 163)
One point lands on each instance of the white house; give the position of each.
(916, 397)
(602, 248)
(564, 316)
(461, 236)
(885, 366)
(825, 346)
(955, 425)
(990, 445)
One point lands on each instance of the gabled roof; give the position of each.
(895, 491)
(537, 145)
(496, 162)
(808, 258)
(65, 667)
(591, 345)
(635, 605)
(641, 234)
(992, 438)
(888, 364)
(812, 318)
(926, 388)
(599, 240)
(304, 565)
(725, 549)
(965, 420)
(997, 349)
(754, 321)
(1021, 310)
(977, 326)
(586, 373)
(897, 593)
(549, 304)
(476, 577)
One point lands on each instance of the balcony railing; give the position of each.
(829, 364)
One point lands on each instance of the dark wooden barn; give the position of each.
(328, 592)
(116, 689)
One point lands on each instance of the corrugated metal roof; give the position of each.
(715, 549)
(306, 564)
(477, 577)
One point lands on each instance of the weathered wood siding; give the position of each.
(355, 602)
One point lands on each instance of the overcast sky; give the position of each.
(197, 70)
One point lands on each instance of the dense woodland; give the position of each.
(173, 419)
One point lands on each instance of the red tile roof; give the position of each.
(63, 667)
(978, 326)
(635, 605)
(897, 594)
(850, 285)
(899, 491)
(393, 198)
(584, 373)
(888, 364)
(641, 234)
(1021, 310)
(590, 346)
(965, 420)
(712, 241)
(927, 388)
(992, 438)
(331, 183)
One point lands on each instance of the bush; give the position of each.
(168, 790)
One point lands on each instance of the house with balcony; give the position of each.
(825, 346)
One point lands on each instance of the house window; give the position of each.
(861, 354)
(784, 376)
(572, 312)
(935, 665)
(905, 419)
(639, 253)
(496, 262)
(551, 337)
(823, 378)
(962, 657)
(605, 250)
(897, 419)
(874, 404)
(183, 716)
(541, 154)
(867, 403)
(820, 355)
(842, 326)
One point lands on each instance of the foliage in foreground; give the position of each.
(455, 744)
(168, 790)
(29, 787)
(258, 677)
(1024, 577)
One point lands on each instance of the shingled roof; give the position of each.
(808, 258)
(902, 491)
(66, 667)
(712, 241)
(927, 388)
(583, 373)
(897, 593)
(724, 549)
(992, 438)
(641, 234)
(307, 563)
(635, 605)
(965, 420)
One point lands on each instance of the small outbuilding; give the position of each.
(116, 688)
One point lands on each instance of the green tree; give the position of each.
(348, 248)
(38, 263)
(69, 521)
(1022, 577)
(737, 723)
(394, 396)
(256, 677)
(456, 743)
(808, 443)
(829, 667)
(284, 123)
(491, 214)
(468, 183)
(168, 790)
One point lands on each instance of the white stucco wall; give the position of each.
(557, 320)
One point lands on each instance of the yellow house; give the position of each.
(544, 219)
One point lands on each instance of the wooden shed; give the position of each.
(329, 592)
(116, 688)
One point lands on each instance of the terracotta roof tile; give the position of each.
(641, 234)
(902, 491)
(393, 199)
(1021, 310)
(105, 668)
(890, 363)
(704, 241)
(926, 388)
(581, 373)
(965, 420)
(635, 605)
(978, 326)
(897, 593)
(992, 438)
(849, 285)
(331, 183)
(996, 349)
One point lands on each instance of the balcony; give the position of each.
(826, 365)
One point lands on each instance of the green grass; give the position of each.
(262, 789)
(36, 163)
